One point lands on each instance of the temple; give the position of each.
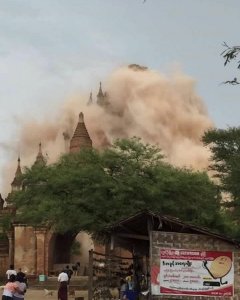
(40, 250)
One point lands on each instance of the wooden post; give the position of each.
(150, 232)
(90, 275)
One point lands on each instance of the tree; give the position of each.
(225, 147)
(229, 55)
(91, 189)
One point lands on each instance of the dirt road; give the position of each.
(40, 295)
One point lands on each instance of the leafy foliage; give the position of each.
(6, 221)
(230, 54)
(91, 189)
(225, 147)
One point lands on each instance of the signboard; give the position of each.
(195, 273)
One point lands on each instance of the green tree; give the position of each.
(225, 147)
(92, 188)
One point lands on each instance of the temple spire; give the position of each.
(40, 160)
(81, 118)
(19, 171)
(90, 100)
(81, 138)
(100, 92)
(17, 181)
(102, 99)
(100, 96)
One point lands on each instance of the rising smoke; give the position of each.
(161, 110)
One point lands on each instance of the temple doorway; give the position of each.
(68, 249)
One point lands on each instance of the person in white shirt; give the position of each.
(63, 276)
(11, 271)
(63, 289)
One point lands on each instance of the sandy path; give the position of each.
(40, 295)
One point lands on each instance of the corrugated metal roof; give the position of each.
(138, 224)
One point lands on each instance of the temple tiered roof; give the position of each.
(81, 138)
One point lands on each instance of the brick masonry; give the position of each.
(31, 252)
(195, 242)
(25, 248)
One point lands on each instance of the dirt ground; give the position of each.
(40, 295)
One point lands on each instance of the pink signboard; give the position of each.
(192, 272)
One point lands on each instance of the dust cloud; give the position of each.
(162, 110)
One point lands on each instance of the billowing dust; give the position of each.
(144, 103)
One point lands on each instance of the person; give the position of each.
(76, 269)
(69, 273)
(123, 288)
(10, 272)
(22, 275)
(21, 286)
(10, 288)
(63, 285)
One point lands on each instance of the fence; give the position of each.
(105, 273)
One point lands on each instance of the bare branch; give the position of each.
(230, 53)
(232, 82)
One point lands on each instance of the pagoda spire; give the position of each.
(18, 171)
(100, 92)
(81, 118)
(81, 138)
(40, 160)
(90, 100)
(17, 181)
(102, 97)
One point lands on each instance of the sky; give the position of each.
(50, 49)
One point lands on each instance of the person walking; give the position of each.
(69, 273)
(63, 285)
(11, 271)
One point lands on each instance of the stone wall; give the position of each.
(25, 248)
(34, 250)
(4, 265)
(194, 242)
